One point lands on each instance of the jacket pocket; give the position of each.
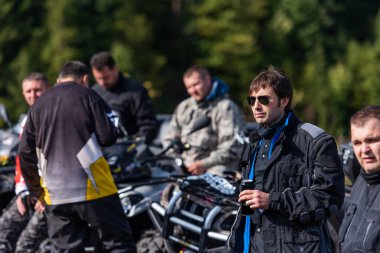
(301, 241)
(292, 173)
(346, 223)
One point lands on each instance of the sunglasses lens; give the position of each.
(251, 100)
(263, 100)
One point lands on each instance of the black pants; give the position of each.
(69, 223)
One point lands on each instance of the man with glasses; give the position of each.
(297, 175)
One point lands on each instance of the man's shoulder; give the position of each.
(226, 103)
(304, 131)
(79, 90)
(70, 93)
(308, 133)
(59, 90)
(310, 129)
(74, 92)
(227, 106)
(131, 85)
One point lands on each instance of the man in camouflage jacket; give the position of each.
(215, 147)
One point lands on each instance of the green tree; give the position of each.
(329, 48)
(21, 22)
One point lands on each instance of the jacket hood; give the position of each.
(218, 89)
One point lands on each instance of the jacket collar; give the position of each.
(119, 82)
(265, 132)
(373, 178)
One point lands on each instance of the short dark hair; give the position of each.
(364, 114)
(37, 76)
(102, 59)
(202, 71)
(75, 69)
(277, 80)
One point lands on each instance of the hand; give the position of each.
(20, 205)
(24, 202)
(40, 206)
(256, 199)
(196, 168)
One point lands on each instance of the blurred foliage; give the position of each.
(329, 48)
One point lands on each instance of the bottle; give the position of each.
(246, 184)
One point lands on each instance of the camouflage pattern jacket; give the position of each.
(216, 144)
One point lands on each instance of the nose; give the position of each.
(33, 94)
(100, 82)
(191, 91)
(256, 104)
(365, 148)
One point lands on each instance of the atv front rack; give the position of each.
(193, 225)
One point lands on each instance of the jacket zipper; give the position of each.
(366, 233)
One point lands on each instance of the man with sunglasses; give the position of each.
(297, 174)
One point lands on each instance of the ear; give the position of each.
(284, 102)
(84, 81)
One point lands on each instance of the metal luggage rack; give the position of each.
(191, 223)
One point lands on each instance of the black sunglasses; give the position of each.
(264, 100)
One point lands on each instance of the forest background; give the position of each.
(329, 48)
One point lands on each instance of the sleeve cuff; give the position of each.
(20, 188)
(275, 201)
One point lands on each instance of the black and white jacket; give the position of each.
(60, 153)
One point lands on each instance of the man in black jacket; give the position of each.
(297, 173)
(63, 166)
(127, 97)
(360, 229)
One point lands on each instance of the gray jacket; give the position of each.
(360, 229)
(216, 145)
